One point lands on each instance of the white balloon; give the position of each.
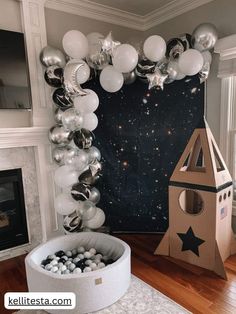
(83, 73)
(75, 44)
(154, 48)
(87, 103)
(207, 57)
(97, 221)
(190, 62)
(110, 79)
(65, 176)
(125, 58)
(90, 121)
(64, 204)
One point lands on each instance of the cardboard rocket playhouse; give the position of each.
(200, 206)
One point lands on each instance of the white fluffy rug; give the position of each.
(140, 299)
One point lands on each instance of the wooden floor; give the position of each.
(198, 290)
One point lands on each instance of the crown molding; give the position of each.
(115, 16)
(97, 12)
(171, 10)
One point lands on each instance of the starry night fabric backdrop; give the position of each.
(141, 135)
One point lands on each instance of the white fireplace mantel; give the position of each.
(37, 137)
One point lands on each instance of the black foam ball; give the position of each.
(46, 261)
(60, 253)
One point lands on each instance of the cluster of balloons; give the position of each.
(163, 63)
(79, 161)
(156, 62)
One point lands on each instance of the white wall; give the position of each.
(10, 19)
(222, 15)
(58, 23)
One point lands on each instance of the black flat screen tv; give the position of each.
(14, 76)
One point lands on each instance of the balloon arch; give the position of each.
(155, 63)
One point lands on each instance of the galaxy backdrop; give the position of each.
(141, 135)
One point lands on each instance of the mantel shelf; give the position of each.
(19, 137)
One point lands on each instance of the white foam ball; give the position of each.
(81, 249)
(54, 269)
(87, 269)
(101, 265)
(77, 270)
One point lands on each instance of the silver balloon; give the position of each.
(109, 44)
(60, 136)
(93, 154)
(94, 196)
(156, 79)
(204, 73)
(98, 60)
(72, 120)
(129, 78)
(62, 154)
(51, 56)
(204, 37)
(58, 155)
(73, 222)
(70, 78)
(58, 116)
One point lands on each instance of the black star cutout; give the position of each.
(190, 241)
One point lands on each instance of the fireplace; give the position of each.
(13, 224)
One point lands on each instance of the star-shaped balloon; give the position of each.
(190, 241)
(156, 79)
(109, 45)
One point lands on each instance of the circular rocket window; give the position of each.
(191, 202)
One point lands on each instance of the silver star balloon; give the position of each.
(109, 45)
(156, 79)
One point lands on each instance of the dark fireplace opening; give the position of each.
(13, 225)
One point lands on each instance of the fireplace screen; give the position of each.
(13, 225)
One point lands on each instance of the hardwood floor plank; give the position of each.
(198, 290)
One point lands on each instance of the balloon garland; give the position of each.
(156, 63)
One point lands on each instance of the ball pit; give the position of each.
(94, 289)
